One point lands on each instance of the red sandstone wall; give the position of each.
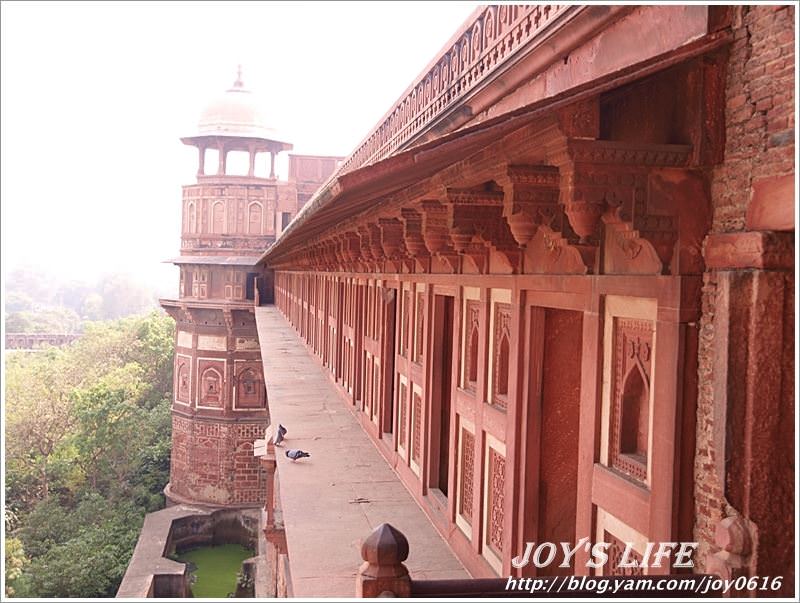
(203, 468)
(745, 440)
(558, 465)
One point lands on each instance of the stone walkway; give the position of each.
(325, 522)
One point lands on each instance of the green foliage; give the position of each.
(48, 320)
(87, 453)
(18, 301)
(122, 296)
(88, 556)
(91, 306)
(15, 561)
(37, 302)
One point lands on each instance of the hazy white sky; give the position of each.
(96, 96)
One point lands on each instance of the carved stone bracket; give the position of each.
(412, 233)
(367, 257)
(392, 238)
(376, 245)
(336, 245)
(476, 215)
(228, 316)
(608, 182)
(351, 247)
(478, 254)
(530, 199)
(414, 241)
(317, 257)
(334, 255)
(436, 233)
(734, 542)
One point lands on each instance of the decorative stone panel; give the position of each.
(497, 476)
(211, 383)
(472, 326)
(419, 328)
(250, 390)
(630, 404)
(183, 379)
(406, 311)
(615, 553)
(466, 475)
(416, 426)
(402, 417)
(502, 355)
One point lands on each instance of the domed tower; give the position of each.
(220, 400)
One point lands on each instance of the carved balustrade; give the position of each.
(490, 41)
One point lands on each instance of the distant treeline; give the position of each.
(39, 303)
(87, 455)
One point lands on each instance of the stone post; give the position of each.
(270, 467)
(256, 291)
(223, 155)
(252, 168)
(383, 574)
(201, 164)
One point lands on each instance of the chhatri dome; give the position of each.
(234, 122)
(236, 112)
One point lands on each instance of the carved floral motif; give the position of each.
(467, 475)
(496, 507)
(402, 414)
(416, 427)
(615, 552)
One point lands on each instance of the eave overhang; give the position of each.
(346, 195)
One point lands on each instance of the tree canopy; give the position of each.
(87, 455)
(37, 302)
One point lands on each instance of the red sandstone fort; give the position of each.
(549, 297)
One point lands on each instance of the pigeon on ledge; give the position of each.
(279, 433)
(296, 454)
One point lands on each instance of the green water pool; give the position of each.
(215, 568)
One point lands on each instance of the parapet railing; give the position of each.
(490, 40)
(33, 341)
(383, 574)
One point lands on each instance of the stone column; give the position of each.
(201, 164)
(272, 164)
(223, 155)
(747, 412)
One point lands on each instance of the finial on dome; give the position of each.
(238, 83)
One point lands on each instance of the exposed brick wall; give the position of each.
(759, 112)
(214, 462)
(759, 124)
(709, 490)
